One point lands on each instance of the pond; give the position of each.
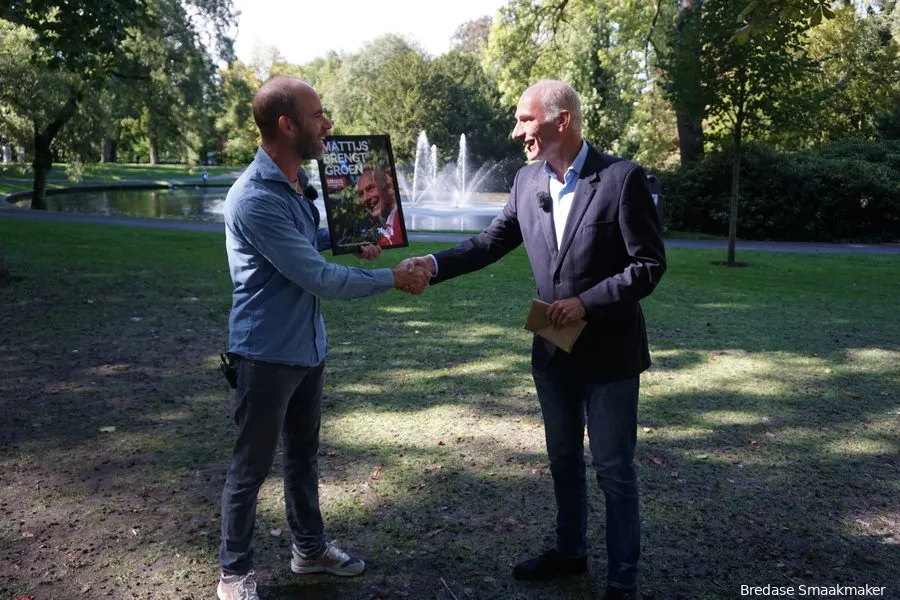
(207, 204)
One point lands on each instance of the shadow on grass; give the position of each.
(767, 452)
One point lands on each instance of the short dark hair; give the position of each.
(276, 97)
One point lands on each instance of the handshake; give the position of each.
(412, 275)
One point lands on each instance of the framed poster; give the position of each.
(361, 195)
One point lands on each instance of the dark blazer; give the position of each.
(611, 256)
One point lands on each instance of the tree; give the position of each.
(652, 135)
(740, 80)
(690, 105)
(472, 36)
(76, 48)
(235, 124)
(474, 107)
(594, 45)
(446, 96)
(19, 79)
(355, 86)
(73, 45)
(853, 87)
(177, 86)
(767, 15)
(611, 50)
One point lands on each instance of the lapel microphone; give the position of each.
(545, 201)
(310, 192)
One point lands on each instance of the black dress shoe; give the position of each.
(613, 593)
(548, 565)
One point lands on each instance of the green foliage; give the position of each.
(31, 90)
(78, 36)
(471, 105)
(844, 191)
(348, 91)
(141, 60)
(853, 89)
(651, 138)
(18, 63)
(596, 46)
(392, 87)
(350, 223)
(762, 16)
(733, 85)
(235, 123)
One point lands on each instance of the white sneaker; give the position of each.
(237, 587)
(333, 560)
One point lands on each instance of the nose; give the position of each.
(328, 123)
(517, 133)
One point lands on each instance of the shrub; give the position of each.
(848, 191)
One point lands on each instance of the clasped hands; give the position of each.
(410, 276)
(413, 274)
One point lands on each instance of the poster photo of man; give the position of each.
(361, 196)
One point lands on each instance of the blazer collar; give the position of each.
(594, 164)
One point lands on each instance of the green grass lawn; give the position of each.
(768, 446)
(14, 177)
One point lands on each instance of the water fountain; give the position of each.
(451, 196)
(450, 186)
(461, 166)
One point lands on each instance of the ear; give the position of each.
(285, 125)
(564, 120)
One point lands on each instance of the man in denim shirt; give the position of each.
(277, 334)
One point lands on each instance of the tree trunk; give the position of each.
(690, 138)
(5, 277)
(735, 191)
(43, 156)
(154, 151)
(108, 152)
(689, 123)
(43, 161)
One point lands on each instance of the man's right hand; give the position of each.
(410, 278)
(423, 262)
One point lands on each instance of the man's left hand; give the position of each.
(369, 252)
(565, 312)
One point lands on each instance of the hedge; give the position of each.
(849, 191)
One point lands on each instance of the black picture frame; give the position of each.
(359, 181)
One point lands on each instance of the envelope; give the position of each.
(563, 338)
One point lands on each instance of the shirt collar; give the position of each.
(576, 166)
(267, 168)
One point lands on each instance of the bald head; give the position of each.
(280, 96)
(555, 96)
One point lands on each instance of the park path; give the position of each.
(192, 180)
(11, 213)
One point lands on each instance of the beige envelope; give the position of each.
(563, 338)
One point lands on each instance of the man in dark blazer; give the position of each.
(593, 238)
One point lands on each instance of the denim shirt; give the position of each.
(272, 239)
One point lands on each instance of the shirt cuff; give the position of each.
(434, 260)
(384, 278)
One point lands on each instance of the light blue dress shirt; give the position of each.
(563, 192)
(273, 241)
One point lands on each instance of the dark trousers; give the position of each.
(273, 401)
(570, 399)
